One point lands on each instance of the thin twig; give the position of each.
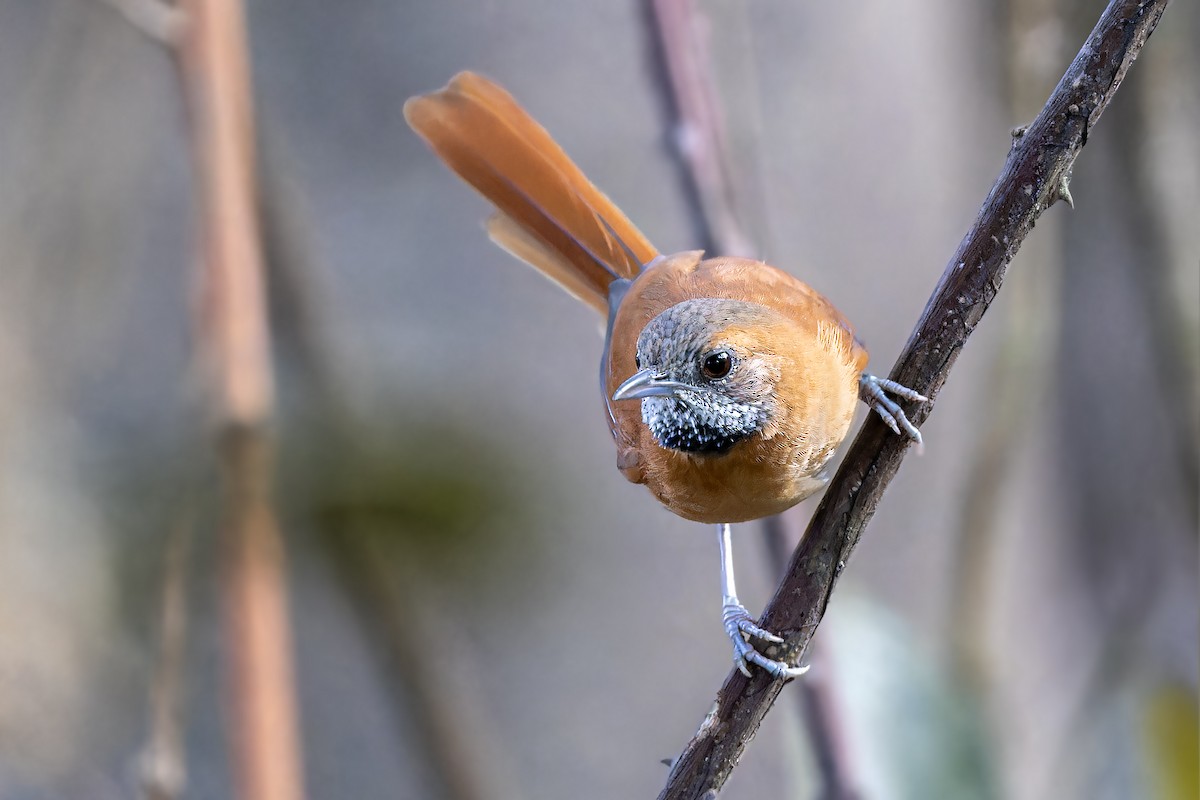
(157, 19)
(163, 765)
(701, 138)
(1032, 179)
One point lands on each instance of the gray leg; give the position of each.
(738, 622)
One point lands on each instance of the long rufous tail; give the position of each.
(549, 214)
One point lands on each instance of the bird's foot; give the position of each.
(738, 625)
(874, 392)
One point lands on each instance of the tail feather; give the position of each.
(551, 216)
(520, 243)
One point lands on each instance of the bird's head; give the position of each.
(704, 380)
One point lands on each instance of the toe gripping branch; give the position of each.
(874, 392)
(738, 625)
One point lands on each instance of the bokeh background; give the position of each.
(481, 606)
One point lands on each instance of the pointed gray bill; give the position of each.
(647, 383)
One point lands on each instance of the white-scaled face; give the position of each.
(701, 391)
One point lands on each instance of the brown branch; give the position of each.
(233, 311)
(1032, 179)
(701, 138)
(234, 338)
(208, 40)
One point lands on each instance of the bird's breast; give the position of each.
(756, 478)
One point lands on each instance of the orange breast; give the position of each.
(819, 364)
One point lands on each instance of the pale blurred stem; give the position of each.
(1173, 362)
(1028, 184)
(233, 339)
(158, 19)
(260, 701)
(711, 175)
(163, 762)
(437, 688)
(1017, 375)
(1122, 650)
(468, 761)
(297, 295)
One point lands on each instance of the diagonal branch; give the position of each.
(1034, 176)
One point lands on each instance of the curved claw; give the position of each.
(778, 669)
(738, 624)
(874, 392)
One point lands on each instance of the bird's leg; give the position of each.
(874, 392)
(738, 622)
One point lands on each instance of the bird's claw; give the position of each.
(738, 625)
(874, 392)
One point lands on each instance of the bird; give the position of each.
(728, 384)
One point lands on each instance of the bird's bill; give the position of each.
(646, 383)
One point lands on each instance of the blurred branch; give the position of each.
(1033, 177)
(707, 161)
(158, 19)
(163, 761)
(268, 223)
(1019, 370)
(233, 320)
(700, 135)
(298, 301)
(262, 716)
(1173, 363)
(819, 707)
(234, 337)
(208, 38)
(437, 686)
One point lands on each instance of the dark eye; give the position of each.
(716, 365)
(637, 360)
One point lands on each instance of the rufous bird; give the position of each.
(728, 384)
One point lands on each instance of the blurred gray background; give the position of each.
(474, 587)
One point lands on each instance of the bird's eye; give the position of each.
(716, 365)
(637, 361)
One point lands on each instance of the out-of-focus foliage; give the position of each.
(1172, 741)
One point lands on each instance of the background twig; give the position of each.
(1032, 179)
(233, 331)
(1020, 369)
(710, 170)
(163, 761)
(700, 135)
